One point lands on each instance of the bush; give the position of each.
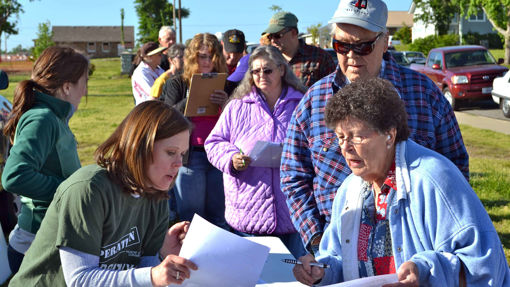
(426, 44)
(494, 40)
(403, 34)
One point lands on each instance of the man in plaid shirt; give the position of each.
(313, 167)
(309, 63)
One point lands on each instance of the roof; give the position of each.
(396, 18)
(92, 33)
(459, 48)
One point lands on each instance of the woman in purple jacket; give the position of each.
(260, 110)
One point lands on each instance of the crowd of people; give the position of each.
(373, 177)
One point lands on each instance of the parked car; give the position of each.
(332, 53)
(501, 93)
(462, 72)
(414, 57)
(399, 58)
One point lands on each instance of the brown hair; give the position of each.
(191, 55)
(374, 101)
(127, 153)
(54, 67)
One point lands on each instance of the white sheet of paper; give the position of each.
(276, 273)
(223, 258)
(266, 154)
(374, 281)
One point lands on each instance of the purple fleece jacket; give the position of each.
(254, 202)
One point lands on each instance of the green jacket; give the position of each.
(43, 155)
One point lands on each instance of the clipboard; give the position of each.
(201, 88)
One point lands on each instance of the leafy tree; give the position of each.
(275, 8)
(8, 10)
(18, 49)
(44, 39)
(498, 13)
(437, 12)
(404, 34)
(315, 31)
(152, 14)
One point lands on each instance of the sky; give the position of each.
(251, 17)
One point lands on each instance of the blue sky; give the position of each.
(251, 17)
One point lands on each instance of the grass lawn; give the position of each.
(110, 100)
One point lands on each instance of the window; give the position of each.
(106, 47)
(478, 17)
(91, 47)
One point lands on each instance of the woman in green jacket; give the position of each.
(44, 148)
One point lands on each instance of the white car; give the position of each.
(501, 93)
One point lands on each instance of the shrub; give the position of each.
(493, 40)
(426, 44)
(404, 34)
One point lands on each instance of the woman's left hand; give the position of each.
(219, 97)
(407, 275)
(174, 238)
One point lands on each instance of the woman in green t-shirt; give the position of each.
(108, 222)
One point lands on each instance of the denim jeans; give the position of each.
(14, 258)
(199, 189)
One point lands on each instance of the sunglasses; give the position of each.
(361, 49)
(266, 71)
(278, 35)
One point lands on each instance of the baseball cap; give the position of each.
(281, 20)
(151, 48)
(233, 41)
(242, 68)
(368, 14)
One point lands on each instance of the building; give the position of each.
(459, 25)
(95, 41)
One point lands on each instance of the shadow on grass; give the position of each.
(495, 203)
(505, 238)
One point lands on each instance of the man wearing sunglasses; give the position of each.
(309, 63)
(313, 167)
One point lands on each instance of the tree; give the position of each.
(404, 34)
(314, 30)
(18, 49)
(275, 8)
(8, 10)
(152, 14)
(498, 13)
(122, 42)
(44, 39)
(437, 12)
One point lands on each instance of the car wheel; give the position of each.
(505, 107)
(449, 97)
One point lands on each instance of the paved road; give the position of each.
(484, 115)
(484, 108)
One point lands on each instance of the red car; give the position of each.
(462, 72)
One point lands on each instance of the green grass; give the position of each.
(110, 100)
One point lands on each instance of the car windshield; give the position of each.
(469, 58)
(400, 59)
(414, 55)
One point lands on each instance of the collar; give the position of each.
(62, 109)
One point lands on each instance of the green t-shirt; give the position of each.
(90, 213)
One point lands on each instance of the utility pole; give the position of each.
(180, 23)
(175, 23)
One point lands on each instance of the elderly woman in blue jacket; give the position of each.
(405, 209)
(259, 111)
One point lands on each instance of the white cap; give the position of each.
(368, 14)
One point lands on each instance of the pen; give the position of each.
(293, 261)
(242, 153)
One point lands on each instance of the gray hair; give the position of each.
(333, 26)
(165, 29)
(176, 50)
(274, 55)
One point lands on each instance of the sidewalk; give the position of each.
(481, 122)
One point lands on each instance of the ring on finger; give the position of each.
(177, 275)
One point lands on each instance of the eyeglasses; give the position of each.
(266, 71)
(355, 140)
(205, 57)
(278, 35)
(361, 49)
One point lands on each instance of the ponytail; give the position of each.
(24, 98)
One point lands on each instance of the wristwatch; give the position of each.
(315, 242)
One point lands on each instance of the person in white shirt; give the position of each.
(147, 58)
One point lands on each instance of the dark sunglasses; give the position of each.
(361, 49)
(278, 35)
(265, 71)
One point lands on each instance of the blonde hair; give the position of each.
(191, 55)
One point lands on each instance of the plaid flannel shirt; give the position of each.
(311, 64)
(313, 167)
